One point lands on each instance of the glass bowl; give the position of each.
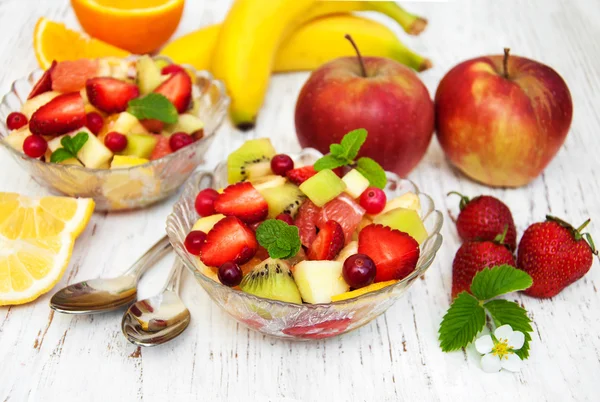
(289, 320)
(123, 188)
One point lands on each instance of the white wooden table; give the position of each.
(46, 356)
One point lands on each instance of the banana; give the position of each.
(253, 31)
(312, 45)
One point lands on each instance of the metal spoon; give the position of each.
(101, 295)
(160, 318)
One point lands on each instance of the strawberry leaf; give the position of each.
(490, 283)
(508, 312)
(372, 171)
(463, 320)
(329, 162)
(153, 106)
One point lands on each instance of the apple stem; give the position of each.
(505, 62)
(360, 59)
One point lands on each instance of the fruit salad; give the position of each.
(107, 113)
(305, 234)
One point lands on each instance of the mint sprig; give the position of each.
(280, 239)
(345, 153)
(153, 106)
(70, 147)
(466, 316)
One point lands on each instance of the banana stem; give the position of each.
(412, 24)
(406, 56)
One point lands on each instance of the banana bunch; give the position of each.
(260, 37)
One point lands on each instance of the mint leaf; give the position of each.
(60, 155)
(337, 150)
(372, 171)
(490, 283)
(508, 312)
(352, 142)
(280, 239)
(463, 320)
(67, 143)
(153, 106)
(329, 162)
(78, 141)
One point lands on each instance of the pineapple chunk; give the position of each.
(407, 200)
(127, 123)
(356, 183)
(122, 161)
(206, 224)
(148, 74)
(16, 138)
(319, 281)
(93, 154)
(186, 123)
(33, 104)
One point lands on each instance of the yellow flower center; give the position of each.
(501, 349)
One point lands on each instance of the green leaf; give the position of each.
(280, 239)
(499, 280)
(463, 320)
(60, 155)
(352, 142)
(337, 150)
(153, 106)
(372, 171)
(508, 312)
(329, 162)
(78, 141)
(67, 143)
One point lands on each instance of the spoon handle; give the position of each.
(156, 252)
(174, 279)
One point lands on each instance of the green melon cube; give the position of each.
(323, 187)
(406, 220)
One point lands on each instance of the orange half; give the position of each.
(54, 41)
(137, 26)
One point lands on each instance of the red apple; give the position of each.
(502, 119)
(389, 101)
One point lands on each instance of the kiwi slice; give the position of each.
(283, 199)
(251, 160)
(272, 279)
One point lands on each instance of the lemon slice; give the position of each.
(36, 242)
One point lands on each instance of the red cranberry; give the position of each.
(180, 140)
(94, 122)
(205, 202)
(194, 240)
(281, 164)
(230, 274)
(35, 146)
(172, 69)
(373, 200)
(287, 218)
(16, 120)
(359, 270)
(116, 142)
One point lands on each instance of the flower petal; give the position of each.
(511, 362)
(490, 363)
(503, 332)
(484, 344)
(516, 340)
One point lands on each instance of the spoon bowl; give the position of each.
(158, 319)
(106, 294)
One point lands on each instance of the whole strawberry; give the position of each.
(473, 256)
(484, 218)
(555, 254)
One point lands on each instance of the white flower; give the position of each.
(499, 353)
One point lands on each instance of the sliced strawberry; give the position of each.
(230, 240)
(110, 94)
(71, 76)
(395, 253)
(61, 115)
(344, 210)
(44, 84)
(306, 221)
(244, 201)
(328, 243)
(301, 174)
(162, 148)
(177, 89)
